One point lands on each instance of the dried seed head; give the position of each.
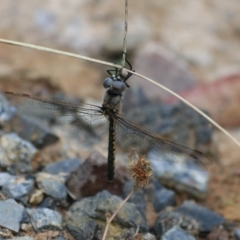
(141, 171)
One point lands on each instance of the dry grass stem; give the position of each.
(50, 50)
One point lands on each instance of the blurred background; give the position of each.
(201, 37)
(192, 47)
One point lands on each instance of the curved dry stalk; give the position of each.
(50, 50)
(120, 67)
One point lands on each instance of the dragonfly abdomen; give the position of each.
(111, 148)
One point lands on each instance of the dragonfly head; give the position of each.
(115, 83)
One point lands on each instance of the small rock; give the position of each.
(55, 189)
(18, 188)
(45, 219)
(86, 214)
(164, 198)
(11, 214)
(16, 153)
(65, 166)
(177, 233)
(206, 218)
(36, 197)
(53, 186)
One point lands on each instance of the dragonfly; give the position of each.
(86, 119)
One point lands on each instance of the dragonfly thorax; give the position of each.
(112, 100)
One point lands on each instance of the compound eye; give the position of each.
(108, 82)
(119, 86)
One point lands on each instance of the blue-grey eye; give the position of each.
(107, 83)
(119, 85)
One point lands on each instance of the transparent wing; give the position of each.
(131, 135)
(85, 120)
(81, 120)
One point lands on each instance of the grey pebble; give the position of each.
(11, 214)
(53, 186)
(45, 219)
(65, 166)
(16, 152)
(18, 188)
